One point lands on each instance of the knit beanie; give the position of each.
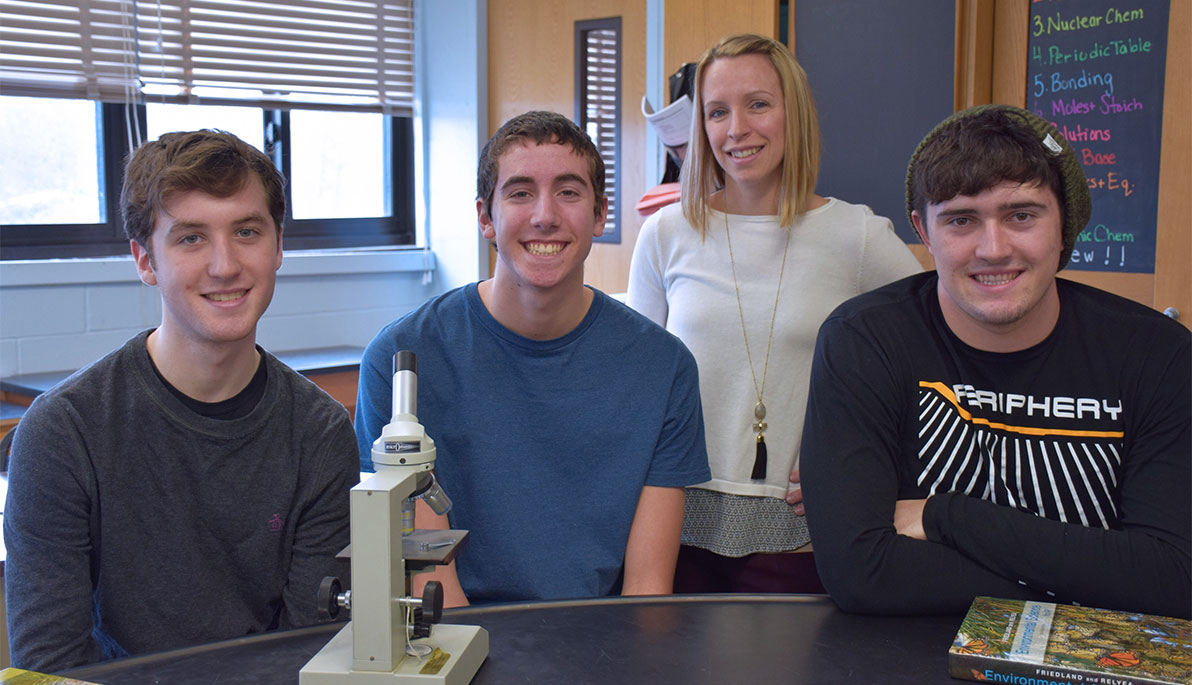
(1076, 202)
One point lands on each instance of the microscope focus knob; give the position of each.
(432, 601)
(329, 598)
(429, 609)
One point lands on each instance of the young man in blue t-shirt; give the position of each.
(566, 424)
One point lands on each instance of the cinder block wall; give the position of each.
(64, 326)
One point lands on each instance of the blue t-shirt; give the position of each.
(543, 445)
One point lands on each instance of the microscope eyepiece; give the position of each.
(405, 360)
(405, 384)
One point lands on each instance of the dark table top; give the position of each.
(684, 639)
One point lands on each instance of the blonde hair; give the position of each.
(701, 175)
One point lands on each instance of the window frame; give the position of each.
(396, 229)
(612, 224)
(107, 239)
(103, 239)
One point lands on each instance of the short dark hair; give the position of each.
(977, 148)
(540, 127)
(214, 162)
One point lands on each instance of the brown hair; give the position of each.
(977, 148)
(540, 127)
(214, 162)
(701, 174)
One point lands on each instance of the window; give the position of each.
(598, 105)
(246, 123)
(63, 186)
(60, 161)
(324, 87)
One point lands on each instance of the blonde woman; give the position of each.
(744, 271)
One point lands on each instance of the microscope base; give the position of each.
(466, 645)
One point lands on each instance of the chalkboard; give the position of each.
(882, 74)
(1095, 69)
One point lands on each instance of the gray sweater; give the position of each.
(134, 524)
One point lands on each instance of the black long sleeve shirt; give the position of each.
(1059, 472)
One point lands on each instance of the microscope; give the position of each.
(393, 637)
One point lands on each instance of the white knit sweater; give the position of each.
(836, 251)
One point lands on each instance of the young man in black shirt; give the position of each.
(987, 428)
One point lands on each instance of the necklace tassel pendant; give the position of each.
(759, 462)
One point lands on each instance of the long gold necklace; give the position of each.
(759, 409)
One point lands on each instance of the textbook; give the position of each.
(17, 676)
(1019, 642)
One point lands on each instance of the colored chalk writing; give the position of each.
(1078, 18)
(1091, 51)
(1096, 70)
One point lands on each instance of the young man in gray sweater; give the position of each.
(188, 486)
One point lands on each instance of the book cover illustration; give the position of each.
(18, 676)
(1038, 643)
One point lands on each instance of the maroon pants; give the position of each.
(700, 571)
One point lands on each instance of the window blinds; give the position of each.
(324, 54)
(600, 100)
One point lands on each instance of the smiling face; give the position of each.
(744, 119)
(997, 254)
(543, 218)
(215, 261)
